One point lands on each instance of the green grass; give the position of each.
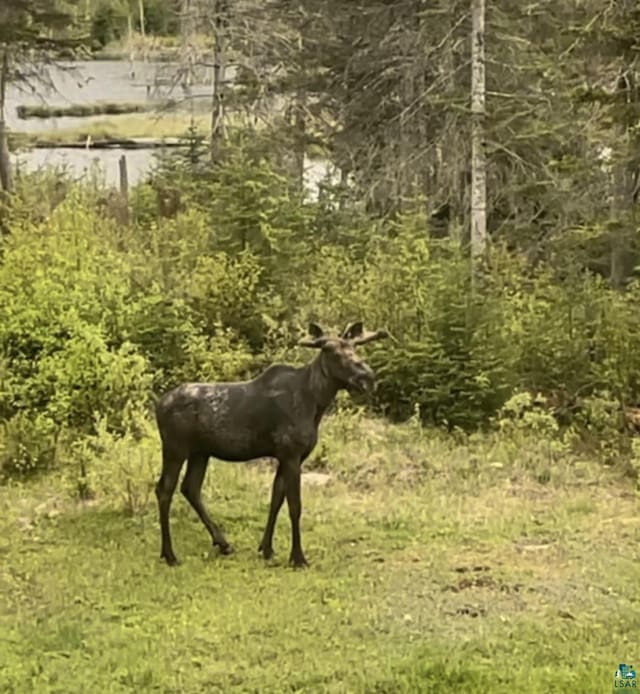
(156, 48)
(435, 567)
(136, 125)
(104, 108)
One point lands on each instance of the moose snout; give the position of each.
(365, 380)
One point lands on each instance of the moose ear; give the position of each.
(353, 331)
(315, 330)
(317, 339)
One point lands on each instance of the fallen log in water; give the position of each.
(112, 143)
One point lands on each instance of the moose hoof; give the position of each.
(171, 559)
(267, 552)
(298, 562)
(225, 548)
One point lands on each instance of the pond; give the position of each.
(88, 82)
(103, 163)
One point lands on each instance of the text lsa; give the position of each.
(618, 684)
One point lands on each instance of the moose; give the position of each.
(275, 415)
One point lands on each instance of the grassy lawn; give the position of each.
(435, 567)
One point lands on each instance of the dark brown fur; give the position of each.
(275, 415)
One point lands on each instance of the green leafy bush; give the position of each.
(117, 466)
(456, 355)
(28, 444)
(97, 319)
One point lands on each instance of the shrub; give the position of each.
(123, 467)
(95, 317)
(27, 444)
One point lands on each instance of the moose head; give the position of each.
(338, 358)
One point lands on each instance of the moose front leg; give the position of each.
(277, 499)
(291, 473)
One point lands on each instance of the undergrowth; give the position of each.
(217, 274)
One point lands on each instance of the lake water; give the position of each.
(104, 163)
(87, 82)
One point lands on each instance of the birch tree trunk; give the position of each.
(220, 22)
(187, 33)
(5, 165)
(300, 126)
(141, 15)
(478, 160)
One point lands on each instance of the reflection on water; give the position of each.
(81, 162)
(104, 164)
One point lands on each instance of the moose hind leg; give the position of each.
(165, 487)
(191, 488)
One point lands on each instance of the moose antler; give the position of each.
(371, 336)
(357, 335)
(354, 333)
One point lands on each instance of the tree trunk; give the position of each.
(451, 162)
(478, 160)
(124, 189)
(187, 23)
(300, 126)
(5, 165)
(617, 220)
(406, 145)
(423, 178)
(220, 23)
(141, 14)
(131, 46)
(622, 258)
(187, 31)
